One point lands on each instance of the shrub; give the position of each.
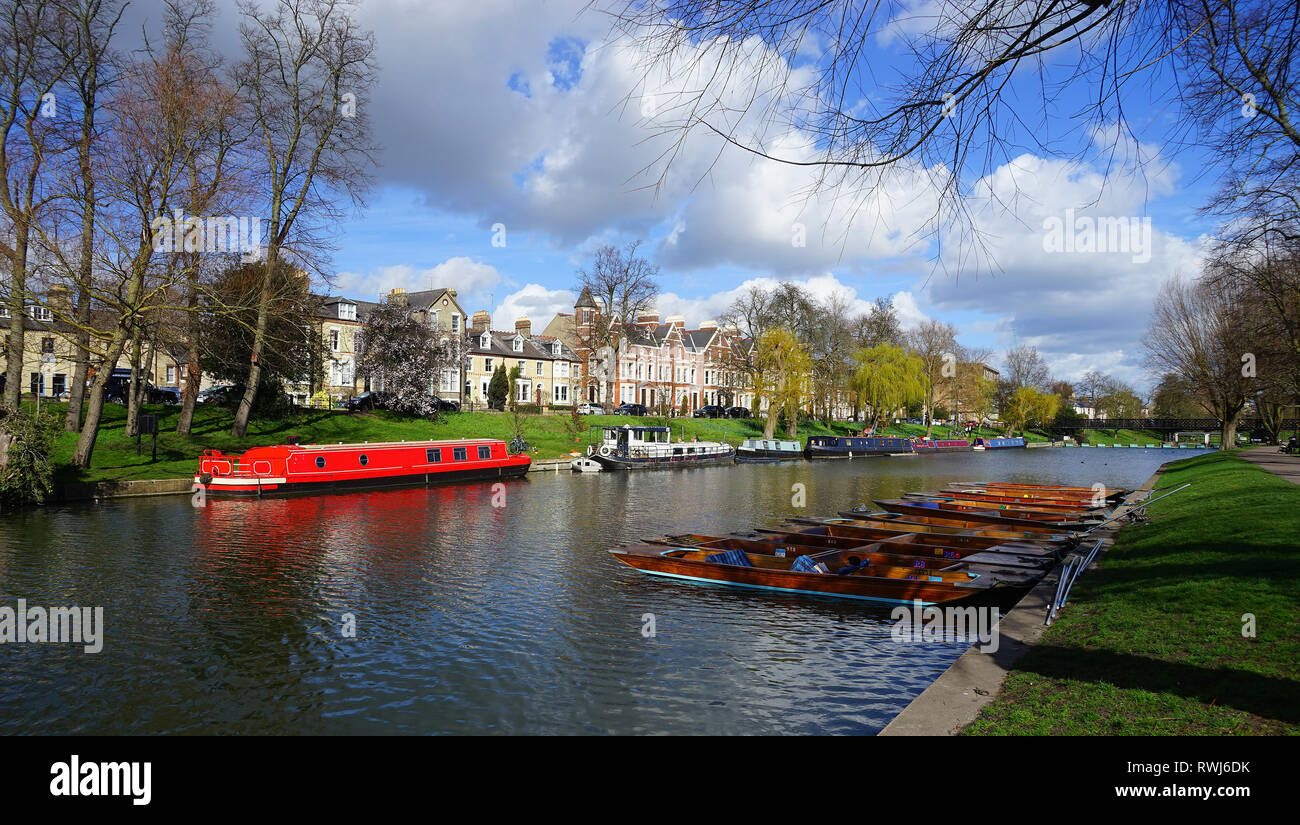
(26, 476)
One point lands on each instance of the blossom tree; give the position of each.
(400, 354)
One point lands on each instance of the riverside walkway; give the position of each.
(1279, 464)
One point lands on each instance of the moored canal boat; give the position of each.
(640, 448)
(940, 445)
(316, 468)
(1000, 443)
(836, 446)
(768, 450)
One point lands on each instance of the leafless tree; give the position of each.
(1199, 333)
(751, 72)
(1026, 368)
(935, 343)
(306, 75)
(32, 63)
(625, 286)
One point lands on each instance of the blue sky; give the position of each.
(524, 114)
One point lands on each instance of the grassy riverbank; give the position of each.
(1151, 642)
(115, 457)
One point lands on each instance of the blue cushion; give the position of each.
(803, 564)
(736, 557)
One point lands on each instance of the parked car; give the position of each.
(738, 412)
(447, 405)
(118, 389)
(710, 411)
(364, 401)
(630, 409)
(590, 409)
(217, 395)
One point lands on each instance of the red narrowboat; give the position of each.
(315, 468)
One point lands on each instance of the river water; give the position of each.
(469, 617)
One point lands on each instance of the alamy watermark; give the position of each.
(53, 625)
(918, 623)
(1084, 233)
(226, 233)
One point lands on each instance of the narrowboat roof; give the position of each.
(634, 427)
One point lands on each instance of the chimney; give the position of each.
(397, 295)
(708, 324)
(677, 321)
(481, 321)
(59, 299)
(524, 327)
(651, 318)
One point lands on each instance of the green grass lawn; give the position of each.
(115, 455)
(1151, 641)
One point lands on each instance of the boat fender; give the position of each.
(205, 478)
(605, 451)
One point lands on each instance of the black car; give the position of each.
(447, 405)
(365, 401)
(630, 409)
(710, 411)
(739, 412)
(118, 389)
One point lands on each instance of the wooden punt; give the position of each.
(1034, 501)
(910, 546)
(1025, 511)
(989, 503)
(1115, 493)
(893, 585)
(882, 554)
(952, 525)
(1012, 518)
(938, 540)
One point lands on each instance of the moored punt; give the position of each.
(834, 446)
(909, 547)
(1015, 509)
(754, 570)
(896, 553)
(991, 503)
(316, 468)
(1114, 493)
(995, 498)
(1016, 546)
(1015, 518)
(951, 524)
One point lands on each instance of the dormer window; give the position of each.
(519, 344)
(555, 348)
(347, 312)
(4, 311)
(38, 313)
(485, 341)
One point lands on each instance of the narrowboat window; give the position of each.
(459, 453)
(677, 450)
(433, 456)
(484, 452)
(320, 461)
(364, 460)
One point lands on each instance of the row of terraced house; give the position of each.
(653, 363)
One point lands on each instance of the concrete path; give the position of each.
(1279, 464)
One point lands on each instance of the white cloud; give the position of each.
(534, 301)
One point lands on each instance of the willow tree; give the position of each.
(1029, 406)
(888, 378)
(783, 372)
(306, 73)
